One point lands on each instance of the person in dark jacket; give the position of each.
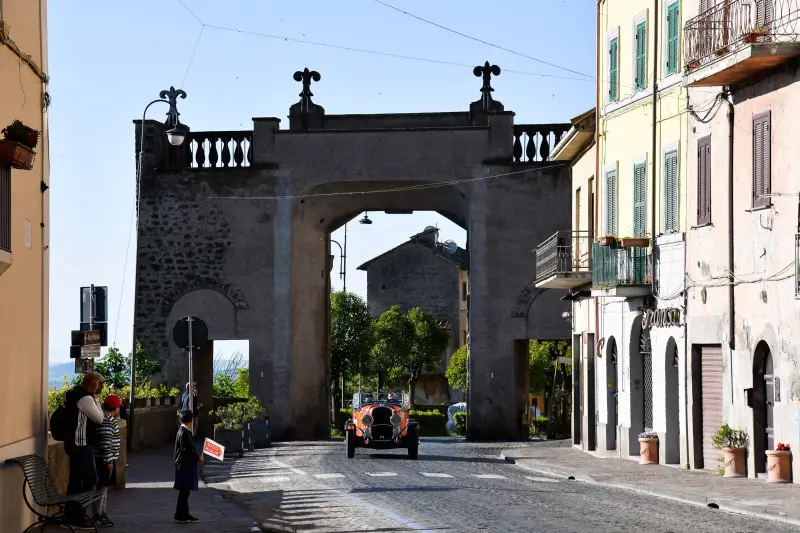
(85, 415)
(187, 473)
(191, 392)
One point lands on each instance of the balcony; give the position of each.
(564, 261)
(736, 39)
(618, 271)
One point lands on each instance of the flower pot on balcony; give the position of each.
(735, 462)
(17, 155)
(634, 242)
(779, 466)
(608, 240)
(648, 450)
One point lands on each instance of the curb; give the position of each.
(706, 504)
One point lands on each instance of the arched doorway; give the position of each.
(763, 403)
(639, 338)
(672, 448)
(612, 400)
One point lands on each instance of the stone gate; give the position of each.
(235, 228)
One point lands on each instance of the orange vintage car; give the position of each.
(381, 421)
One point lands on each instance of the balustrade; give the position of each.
(533, 143)
(220, 149)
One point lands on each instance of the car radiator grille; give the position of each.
(382, 427)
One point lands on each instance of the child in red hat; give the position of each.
(106, 455)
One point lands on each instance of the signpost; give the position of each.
(214, 449)
(93, 332)
(190, 333)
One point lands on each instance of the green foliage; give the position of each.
(460, 421)
(430, 338)
(20, 133)
(116, 368)
(238, 387)
(351, 335)
(726, 437)
(337, 433)
(539, 426)
(431, 423)
(235, 414)
(55, 395)
(394, 338)
(543, 360)
(342, 416)
(456, 373)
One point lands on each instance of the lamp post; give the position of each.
(342, 260)
(175, 135)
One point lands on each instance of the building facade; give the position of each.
(742, 253)
(24, 259)
(425, 273)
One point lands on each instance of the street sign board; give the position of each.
(102, 327)
(90, 351)
(77, 338)
(100, 304)
(180, 333)
(91, 337)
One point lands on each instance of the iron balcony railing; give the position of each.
(564, 252)
(613, 266)
(731, 24)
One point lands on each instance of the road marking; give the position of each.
(489, 476)
(274, 478)
(544, 479)
(328, 476)
(381, 474)
(435, 474)
(288, 467)
(383, 511)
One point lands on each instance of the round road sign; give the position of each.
(180, 333)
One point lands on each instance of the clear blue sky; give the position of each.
(107, 60)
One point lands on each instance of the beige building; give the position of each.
(24, 256)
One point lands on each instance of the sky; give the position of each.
(107, 60)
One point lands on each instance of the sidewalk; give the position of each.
(775, 501)
(148, 502)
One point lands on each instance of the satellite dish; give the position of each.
(450, 246)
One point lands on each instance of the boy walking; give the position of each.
(187, 473)
(106, 455)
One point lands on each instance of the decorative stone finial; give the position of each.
(486, 103)
(172, 96)
(306, 76)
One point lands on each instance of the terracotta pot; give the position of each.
(608, 240)
(634, 242)
(648, 451)
(17, 155)
(779, 466)
(735, 462)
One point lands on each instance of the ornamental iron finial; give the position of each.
(306, 76)
(486, 103)
(172, 96)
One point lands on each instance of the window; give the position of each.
(611, 202)
(5, 207)
(639, 200)
(673, 30)
(671, 192)
(704, 181)
(613, 70)
(762, 175)
(640, 75)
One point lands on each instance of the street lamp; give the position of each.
(343, 260)
(365, 220)
(176, 134)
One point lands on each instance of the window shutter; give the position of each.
(673, 29)
(671, 192)
(704, 181)
(641, 55)
(639, 201)
(762, 179)
(611, 203)
(613, 66)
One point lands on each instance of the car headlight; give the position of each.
(396, 419)
(367, 420)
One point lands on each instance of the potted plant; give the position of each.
(258, 425)
(228, 429)
(16, 148)
(733, 443)
(693, 64)
(174, 394)
(754, 35)
(608, 240)
(779, 464)
(634, 242)
(648, 448)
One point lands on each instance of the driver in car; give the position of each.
(393, 398)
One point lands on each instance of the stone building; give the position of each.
(24, 255)
(425, 273)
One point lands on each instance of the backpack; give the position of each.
(59, 423)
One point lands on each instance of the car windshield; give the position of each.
(366, 398)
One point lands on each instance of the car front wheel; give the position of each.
(350, 442)
(413, 442)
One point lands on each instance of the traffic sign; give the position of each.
(90, 351)
(91, 337)
(97, 312)
(102, 327)
(180, 333)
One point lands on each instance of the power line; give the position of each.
(191, 59)
(390, 190)
(124, 273)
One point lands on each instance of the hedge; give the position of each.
(460, 421)
(539, 426)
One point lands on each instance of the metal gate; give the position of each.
(711, 376)
(646, 353)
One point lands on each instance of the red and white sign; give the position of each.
(214, 449)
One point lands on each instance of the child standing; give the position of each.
(106, 455)
(187, 473)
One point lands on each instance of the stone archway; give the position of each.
(672, 442)
(763, 403)
(636, 385)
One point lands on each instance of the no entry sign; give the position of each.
(214, 449)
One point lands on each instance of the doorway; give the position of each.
(591, 394)
(612, 399)
(636, 377)
(763, 403)
(672, 449)
(577, 391)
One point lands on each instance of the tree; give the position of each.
(394, 339)
(430, 338)
(543, 361)
(116, 368)
(351, 337)
(456, 373)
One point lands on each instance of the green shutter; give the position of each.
(613, 66)
(611, 203)
(639, 201)
(671, 192)
(673, 29)
(641, 55)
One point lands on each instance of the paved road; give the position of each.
(453, 487)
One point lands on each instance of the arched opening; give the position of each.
(763, 403)
(639, 338)
(672, 451)
(612, 399)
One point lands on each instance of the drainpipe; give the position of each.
(598, 103)
(655, 153)
(731, 295)
(685, 332)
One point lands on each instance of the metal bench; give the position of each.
(46, 494)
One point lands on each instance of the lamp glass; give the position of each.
(175, 136)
